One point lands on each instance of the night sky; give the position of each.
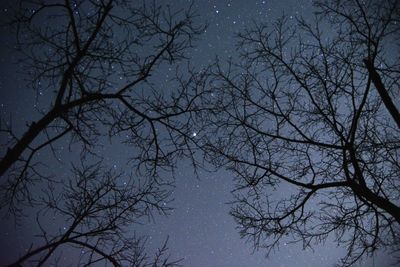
(200, 229)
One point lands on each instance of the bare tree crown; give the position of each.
(93, 61)
(306, 121)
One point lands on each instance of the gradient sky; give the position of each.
(200, 229)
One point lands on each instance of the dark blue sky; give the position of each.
(200, 229)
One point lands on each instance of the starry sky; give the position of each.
(200, 229)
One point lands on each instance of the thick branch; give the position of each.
(380, 87)
(14, 153)
(377, 200)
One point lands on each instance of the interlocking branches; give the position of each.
(307, 122)
(97, 207)
(98, 68)
(97, 58)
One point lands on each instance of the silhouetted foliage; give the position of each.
(93, 61)
(307, 122)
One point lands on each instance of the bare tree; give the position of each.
(94, 62)
(307, 122)
(97, 57)
(97, 207)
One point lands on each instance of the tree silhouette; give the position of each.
(96, 208)
(96, 59)
(307, 122)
